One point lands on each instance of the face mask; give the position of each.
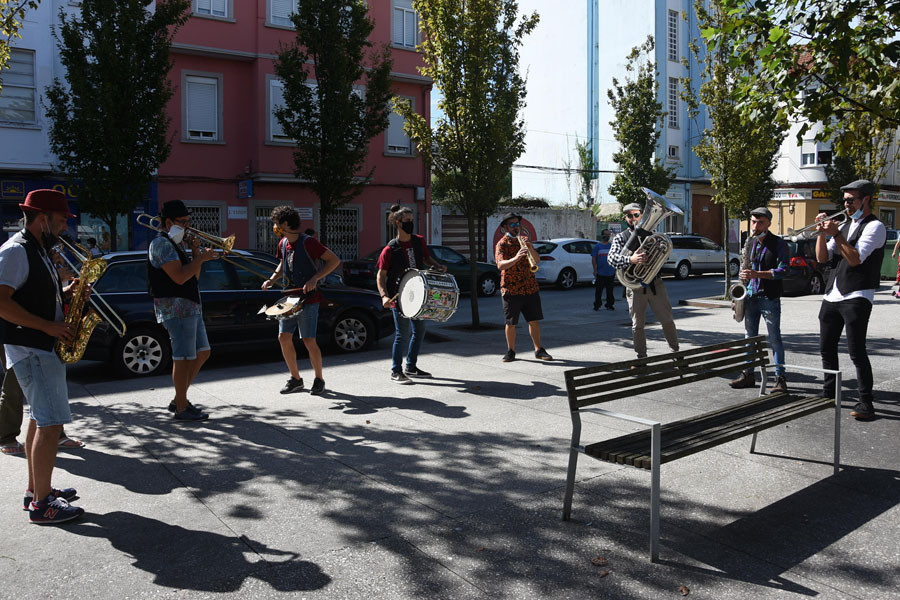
(857, 215)
(48, 239)
(605, 239)
(176, 234)
(407, 226)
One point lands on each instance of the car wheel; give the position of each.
(734, 268)
(816, 284)
(353, 332)
(566, 279)
(142, 352)
(683, 270)
(488, 285)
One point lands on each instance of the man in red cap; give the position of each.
(31, 308)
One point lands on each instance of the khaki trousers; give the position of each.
(638, 300)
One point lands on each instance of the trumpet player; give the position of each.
(653, 295)
(515, 255)
(854, 253)
(175, 289)
(763, 267)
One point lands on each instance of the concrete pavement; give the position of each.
(452, 488)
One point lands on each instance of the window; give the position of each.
(201, 100)
(17, 99)
(343, 232)
(276, 100)
(397, 140)
(808, 159)
(708, 244)
(280, 12)
(886, 215)
(672, 45)
(823, 157)
(673, 103)
(404, 24)
(673, 152)
(123, 277)
(212, 8)
(214, 275)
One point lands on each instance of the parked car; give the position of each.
(807, 275)
(565, 261)
(361, 272)
(349, 319)
(694, 254)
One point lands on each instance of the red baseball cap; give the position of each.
(46, 201)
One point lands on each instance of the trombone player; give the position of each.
(173, 279)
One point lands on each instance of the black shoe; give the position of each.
(780, 385)
(863, 411)
(416, 373)
(292, 386)
(318, 387)
(398, 377)
(189, 415)
(173, 408)
(596, 309)
(509, 356)
(541, 354)
(610, 308)
(746, 380)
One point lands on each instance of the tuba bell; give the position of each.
(657, 246)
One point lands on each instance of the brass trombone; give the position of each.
(220, 244)
(799, 234)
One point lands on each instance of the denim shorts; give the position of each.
(306, 322)
(188, 336)
(42, 377)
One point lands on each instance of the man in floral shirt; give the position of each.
(518, 286)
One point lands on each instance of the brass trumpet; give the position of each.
(799, 234)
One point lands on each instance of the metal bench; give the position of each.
(650, 448)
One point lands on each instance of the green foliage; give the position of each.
(332, 120)
(11, 13)
(585, 173)
(637, 127)
(471, 52)
(108, 121)
(840, 172)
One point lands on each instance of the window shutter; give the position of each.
(220, 8)
(282, 10)
(20, 70)
(409, 28)
(397, 26)
(276, 100)
(397, 140)
(202, 105)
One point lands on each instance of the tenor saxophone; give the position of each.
(83, 322)
(738, 291)
(532, 264)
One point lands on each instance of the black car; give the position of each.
(807, 275)
(362, 272)
(349, 319)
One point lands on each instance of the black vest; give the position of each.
(770, 288)
(864, 276)
(400, 263)
(298, 265)
(162, 286)
(37, 295)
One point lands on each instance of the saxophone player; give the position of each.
(31, 308)
(653, 295)
(767, 265)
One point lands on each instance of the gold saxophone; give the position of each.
(531, 262)
(738, 291)
(83, 324)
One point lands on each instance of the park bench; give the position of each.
(650, 448)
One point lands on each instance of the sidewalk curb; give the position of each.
(705, 302)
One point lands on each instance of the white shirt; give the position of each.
(873, 237)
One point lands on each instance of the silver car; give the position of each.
(695, 254)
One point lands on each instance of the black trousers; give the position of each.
(603, 282)
(833, 317)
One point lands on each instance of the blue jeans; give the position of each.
(43, 379)
(188, 336)
(770, 310)
(401, 328)
(306, 321)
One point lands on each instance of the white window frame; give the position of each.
(283, 22)
(198, 7)
(674, 152)
(271, 120)
(672, 103)
(403, 10)
(672, 38)
(201, 77)
(33, 87)
(410, 150)
(808, 154)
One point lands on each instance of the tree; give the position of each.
(738, 156)
(840, 172)
(332, 120)
(637, 127)
(585, 174)
(11, 11)
(108, 124)
(471, 52)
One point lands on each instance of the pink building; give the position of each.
(230, 161)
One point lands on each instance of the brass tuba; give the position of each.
(657, 246)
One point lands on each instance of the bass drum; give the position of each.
(428, 295)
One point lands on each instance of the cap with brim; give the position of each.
(632, 206)
(173, 209)
(863, 186)
(508, 216)
(46, 201)
(761, 211)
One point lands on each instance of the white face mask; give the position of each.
(857, 215)
(176, 234)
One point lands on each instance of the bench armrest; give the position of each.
(816, 369)
(622, 416)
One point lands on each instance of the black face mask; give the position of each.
(407, 226)
(48, 239)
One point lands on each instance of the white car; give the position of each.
(565, 261)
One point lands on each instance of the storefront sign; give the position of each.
(237, 212)
(306, 214)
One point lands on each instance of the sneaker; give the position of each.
(746, 380)
(610, 308)
(541, 354)
(67, 494)
(416, 373)
(509, 356)
(53, 510)
(189, 415)
(863, 411)
(398, 377)
(292, 386)
(780, 385)
(318, 386)
(173, 408)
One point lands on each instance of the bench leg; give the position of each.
(573, 462)
(837, 423)
(753, 443)
(655, 451)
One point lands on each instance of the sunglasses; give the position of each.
(633, 215)
(513, 224)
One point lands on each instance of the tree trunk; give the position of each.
(473, 270)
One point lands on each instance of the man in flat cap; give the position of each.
(854, 253)
(653, 294)
(764, 264)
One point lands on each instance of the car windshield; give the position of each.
(128, 276)
(544, 247)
